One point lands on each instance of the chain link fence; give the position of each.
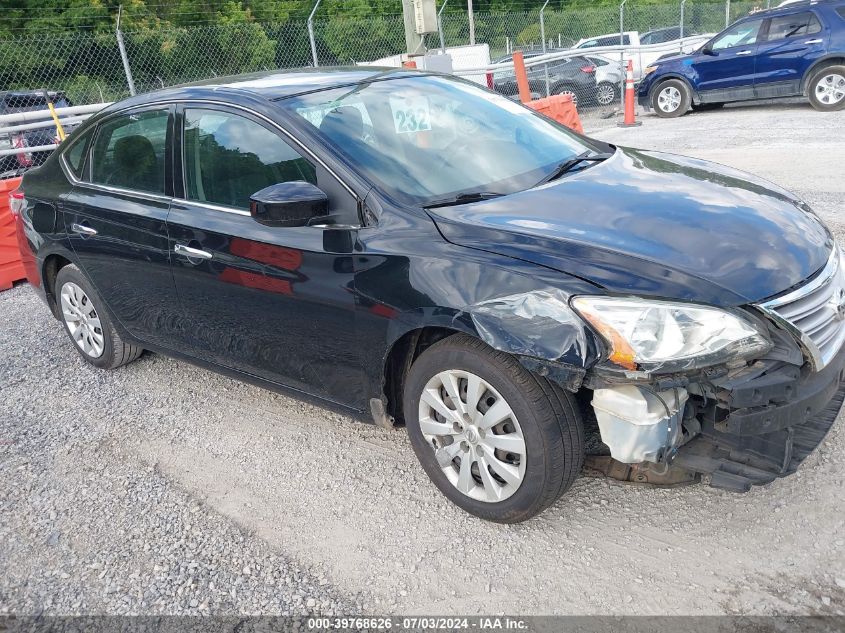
(89, 68)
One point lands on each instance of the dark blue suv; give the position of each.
(797, 49)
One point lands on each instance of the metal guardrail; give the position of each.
(42, 119)
(598, 51)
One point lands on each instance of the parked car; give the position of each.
(412, 248)
(12, 102)
(631, 41)
(628, 38)
(609, 77)
(660, 36)
(794, 50)
(574, 76)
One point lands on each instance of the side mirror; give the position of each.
(293, 203)
(708, 50)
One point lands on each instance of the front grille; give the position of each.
(815, 312)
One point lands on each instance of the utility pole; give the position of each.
(471, 16)
(413, 40)
(123, 56)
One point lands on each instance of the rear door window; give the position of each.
(796, 25)
(129, 151)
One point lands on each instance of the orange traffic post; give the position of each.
(630, 115)
(11, 267)
(521, 77)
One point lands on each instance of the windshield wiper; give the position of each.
(567, 165)
(463, 198)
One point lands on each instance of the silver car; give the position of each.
(609, 77)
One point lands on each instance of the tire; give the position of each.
(540, 415)
(87, 324)
(704, 107)
(671, 99)
(826, 89)
(568, 90)
(607, 94)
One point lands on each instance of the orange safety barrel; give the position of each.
(560, 108)
(11, 267)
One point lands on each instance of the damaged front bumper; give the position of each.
(740, 431)
(773, 422)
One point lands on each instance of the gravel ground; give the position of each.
(163, 488)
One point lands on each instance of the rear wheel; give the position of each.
(671, 99)
(827, 89)
(498, 441)
(87, 324)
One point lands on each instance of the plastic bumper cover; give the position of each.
(755, 445)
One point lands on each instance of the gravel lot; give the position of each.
(163, 488)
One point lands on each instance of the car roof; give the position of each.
(662, 29)
(792, 7)
(274, 84)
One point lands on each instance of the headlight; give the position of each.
(650, 69)
(666, 336)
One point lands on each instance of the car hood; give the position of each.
(655, 224)
(670, 58)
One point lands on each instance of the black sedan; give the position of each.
(573, 76)
(416, 250)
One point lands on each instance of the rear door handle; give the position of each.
(82, 229)
(193, 253)
(813, 41)
(743, 53)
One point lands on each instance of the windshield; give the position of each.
(424, 138)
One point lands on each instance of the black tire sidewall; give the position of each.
(686, 98)
(811, 89)
(71, 273)
(539, 434)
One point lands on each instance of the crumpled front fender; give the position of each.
(540, 329)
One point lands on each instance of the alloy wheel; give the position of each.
(669, 99)
(571, 94)
(830, 90)
(474, 434)
(82, 320)
(605, 94)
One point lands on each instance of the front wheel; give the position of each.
(498, 441)
(567, 90)
(827, 89)
(671, 99)
(607, 93)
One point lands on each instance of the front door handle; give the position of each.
(82, 229)
(743, 53)
(193, 253)
(814, 41)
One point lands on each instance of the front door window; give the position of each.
(228, 158)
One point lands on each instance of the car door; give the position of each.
(115, 217)
(724, 69)
(275, 302)
(789, 47)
